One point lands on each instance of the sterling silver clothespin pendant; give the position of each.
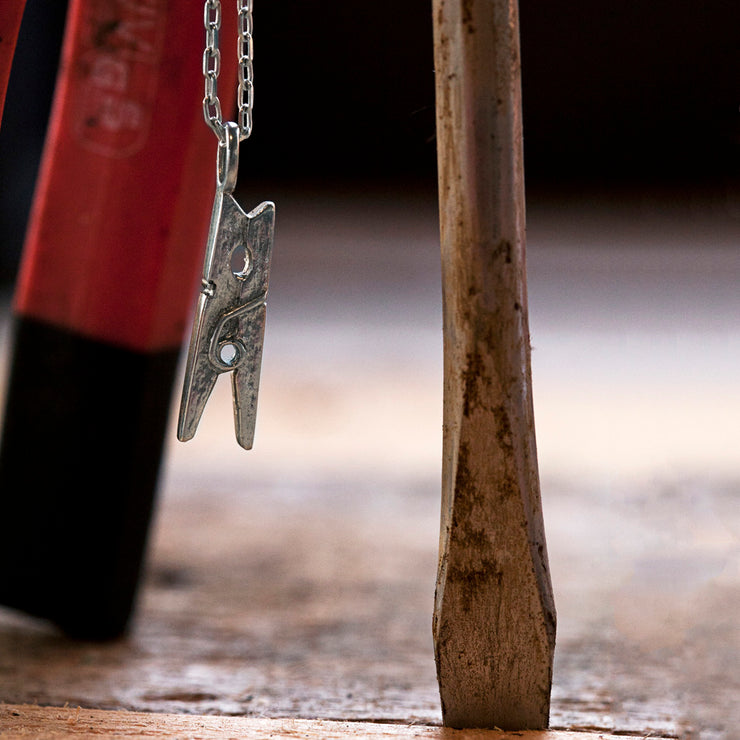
(229, 324)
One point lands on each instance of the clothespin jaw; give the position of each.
(228, 329)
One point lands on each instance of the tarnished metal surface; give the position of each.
(229, 325)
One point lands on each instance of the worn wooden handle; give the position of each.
(494, 619)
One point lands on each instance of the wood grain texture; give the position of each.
(494, 621)
(17, 720)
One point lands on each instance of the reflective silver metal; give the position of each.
(212, 68)
(246, 74)
(229, 324)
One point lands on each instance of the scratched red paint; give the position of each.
(115, 241)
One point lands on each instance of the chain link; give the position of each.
(212, 68)
(246, 86)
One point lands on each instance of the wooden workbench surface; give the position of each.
(59, 722)
(296, 581)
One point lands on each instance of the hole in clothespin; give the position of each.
(241, 262)
(229, 354)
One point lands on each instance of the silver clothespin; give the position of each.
(229, 323)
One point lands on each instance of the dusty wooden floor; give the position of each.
(51, 723)
(296, 581)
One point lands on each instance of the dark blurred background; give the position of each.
(628, 94)
(629, 90)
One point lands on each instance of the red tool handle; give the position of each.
(116, 235)
(11, 13)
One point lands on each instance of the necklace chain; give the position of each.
(212, 68)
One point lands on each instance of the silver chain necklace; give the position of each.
(212, 67)
(229, 324)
